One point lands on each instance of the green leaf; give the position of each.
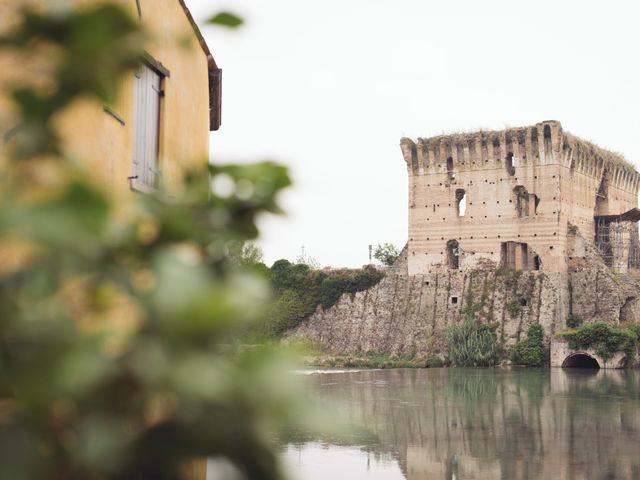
(122, 330)
(226, 19)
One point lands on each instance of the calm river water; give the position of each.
(473, 424)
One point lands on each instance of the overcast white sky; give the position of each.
(329, 88)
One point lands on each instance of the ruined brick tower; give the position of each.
(511, 198)
(510, 228)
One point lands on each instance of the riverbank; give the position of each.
(370, 361)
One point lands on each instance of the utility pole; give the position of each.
(370, 249)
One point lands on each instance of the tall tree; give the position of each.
(386, 253)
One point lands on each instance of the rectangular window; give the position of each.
(515, 255)
(146, 126)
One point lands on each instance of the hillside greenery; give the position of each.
(299, 290)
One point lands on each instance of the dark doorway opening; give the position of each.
(580, 360)
(537, 263)
(514, 255)
(453, 254)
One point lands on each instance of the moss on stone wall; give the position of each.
(514, 309)
(604, 339)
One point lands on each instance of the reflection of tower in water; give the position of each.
(452, 468)
(529, 424)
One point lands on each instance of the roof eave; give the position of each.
(215, 75)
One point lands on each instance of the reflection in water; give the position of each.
(476, 424)
(315, 461)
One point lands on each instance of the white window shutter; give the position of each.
(146, 126)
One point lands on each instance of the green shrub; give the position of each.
(574, 321)
(604, 339)
(633, 327)
(472, 345)
(286, 312)
(514, 308)
(434, 362)
(530, 352)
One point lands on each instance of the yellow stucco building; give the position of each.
(160, 122)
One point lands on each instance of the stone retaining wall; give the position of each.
(408, 314)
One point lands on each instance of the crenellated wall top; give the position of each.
(544, 143)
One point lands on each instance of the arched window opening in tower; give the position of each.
(509, 164)
(453, 254)
(461, 202)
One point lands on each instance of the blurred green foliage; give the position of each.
(530, 352)
(84, 65)
(226, 19)
(119, 354)
(246, 254)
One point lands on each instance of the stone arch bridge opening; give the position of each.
(580, 360)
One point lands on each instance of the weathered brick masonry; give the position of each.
(512, 227)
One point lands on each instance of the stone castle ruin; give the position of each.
(511, 197)
(510, 227)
